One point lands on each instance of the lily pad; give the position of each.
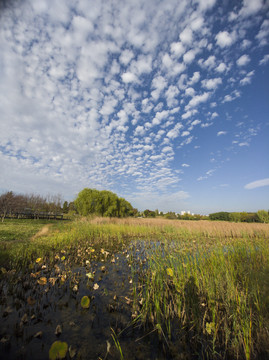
(85, 302)
(58, 350)
(95, 286)
(42, 281)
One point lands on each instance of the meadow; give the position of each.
(101, 288)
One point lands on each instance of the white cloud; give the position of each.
(221, 133)
(196, 122)
(243, 60)
(247, 79)
(264, 60)
(177, 49)
(250, 7)
(263, 34)
(186, 36)
(221, 67)
(211, 84)
(245, 44)
(206, 4)
(173, 133)
(197, 23)
(128, 77)
(189, 113)
(126, 56)
(195, 78)
(159, 117)
(210, 62)
(185, 165)
(196, 100)
(189, 56)
(142, 65)
(190, 91)
(171, 94)
(225, 39)
(167, 61)
(257, 184)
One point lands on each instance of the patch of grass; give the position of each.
(16, 235)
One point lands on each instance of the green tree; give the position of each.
(235, 217)
(65, 207)
(149, 213)
(263, 216)
(102, 203)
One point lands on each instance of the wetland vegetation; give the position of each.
(100, 288)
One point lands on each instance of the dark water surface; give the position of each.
(31, 312)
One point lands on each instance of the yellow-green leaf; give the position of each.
(85, 302)
(38, 260)
(58, 350)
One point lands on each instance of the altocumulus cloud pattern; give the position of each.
(163, 102)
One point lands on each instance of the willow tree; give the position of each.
(102, 203)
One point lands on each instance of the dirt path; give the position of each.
(43, 231)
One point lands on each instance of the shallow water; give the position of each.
(28, 308)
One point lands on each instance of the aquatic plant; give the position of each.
(58, 350)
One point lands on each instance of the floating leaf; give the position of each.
(58, 330)
(90, 275)
(95, 287)
(170, 272)
(34, 275)
(58, 350)
(53, 280)
(75, 288)
(85, 302)
(38, 260)
(42, 281)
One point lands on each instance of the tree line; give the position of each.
(261, 216)
(12, 204)
(108, 204)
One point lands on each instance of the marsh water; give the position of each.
(43, 305)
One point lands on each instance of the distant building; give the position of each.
(183, 212)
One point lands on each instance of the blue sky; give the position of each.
(165, 103)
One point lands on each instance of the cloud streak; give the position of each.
(257, 184)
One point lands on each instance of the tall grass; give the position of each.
(216, 297)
